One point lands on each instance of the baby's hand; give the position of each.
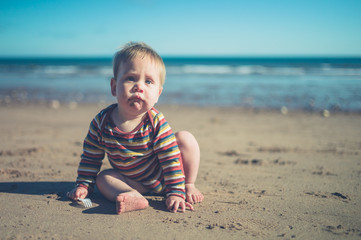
(77, 193)
(174, 202)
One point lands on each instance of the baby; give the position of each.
(146, 156)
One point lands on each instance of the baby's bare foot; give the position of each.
(193, 194)
(126, 202)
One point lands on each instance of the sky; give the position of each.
(181, 28)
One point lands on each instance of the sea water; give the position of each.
(303, 83)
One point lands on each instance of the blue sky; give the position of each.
(187, 27)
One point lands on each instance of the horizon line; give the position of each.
(201, 56)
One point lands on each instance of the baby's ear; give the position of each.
(113, 86)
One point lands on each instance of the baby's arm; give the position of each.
(90, 163)
(165, 146)
(174, 202)
(78, 193)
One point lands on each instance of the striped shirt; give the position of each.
(149, 154)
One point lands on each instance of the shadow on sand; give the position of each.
(58, 190)
(38, 188)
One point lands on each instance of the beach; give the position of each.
(264, 175)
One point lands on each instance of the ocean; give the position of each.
(292, 83)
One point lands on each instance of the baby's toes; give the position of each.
(189, 198)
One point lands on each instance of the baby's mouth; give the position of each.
(135, 99)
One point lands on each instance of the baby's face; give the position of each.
(137, 86)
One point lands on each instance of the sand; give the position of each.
(265, 175)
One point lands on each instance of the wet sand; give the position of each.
(264, 175)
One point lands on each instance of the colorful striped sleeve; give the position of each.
(92, 157)
(166, 148)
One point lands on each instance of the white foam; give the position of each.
(66, 70)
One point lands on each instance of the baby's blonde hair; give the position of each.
(137, 49)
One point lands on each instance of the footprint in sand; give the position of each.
(340, 230)
(334, 195)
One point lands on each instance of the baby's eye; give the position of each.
(148, 81)
(130, 79)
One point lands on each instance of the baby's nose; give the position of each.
(138, 88)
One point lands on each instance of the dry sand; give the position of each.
(264, 175)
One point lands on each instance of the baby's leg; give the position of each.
(126, 193)
(189, 149)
